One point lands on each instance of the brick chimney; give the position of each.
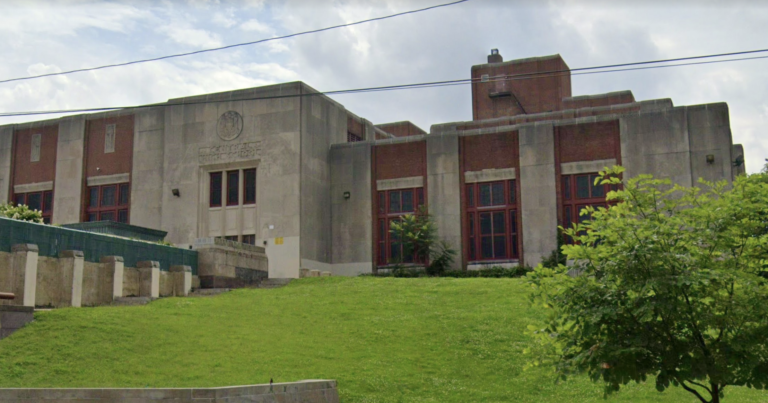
(495, 57)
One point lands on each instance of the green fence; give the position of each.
(51, 240)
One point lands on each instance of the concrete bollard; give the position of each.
(303, 273)
(325, 274)
(314, 273)
(71, 263)
(182, 280)
(149, 278)
(116, 265)
(23, 279)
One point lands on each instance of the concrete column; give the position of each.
(116, 265)
(149, 278)
(444, 189)
(69, 170)
(182, 280)
(22, 280)
(71, 263)
(6, 149)
(538, 193)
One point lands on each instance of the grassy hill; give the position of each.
(383, 339)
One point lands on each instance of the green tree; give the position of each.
(418, 234)
(21, 212)
(670, 287)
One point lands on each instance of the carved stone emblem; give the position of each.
(230, 125)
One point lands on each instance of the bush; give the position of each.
(418, 233)
(492, 272)
(21, 212)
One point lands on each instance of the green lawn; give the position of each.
(383, 339)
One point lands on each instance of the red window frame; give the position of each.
(390, 207)
(492, 230)
(216, 185)
(579, 191)
(46, 202)
(101, 209)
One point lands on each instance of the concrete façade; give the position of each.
(286, 167)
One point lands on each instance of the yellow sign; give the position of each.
(279, 241)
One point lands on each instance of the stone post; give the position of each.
(149, 278)
(116, 265)
(182, 280)
(22, 280)
(71, 263)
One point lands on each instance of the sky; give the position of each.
(39, 36)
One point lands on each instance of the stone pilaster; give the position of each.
(117, 266)
(182, 280)
(71, 263)
(22, 280)
(149, 278)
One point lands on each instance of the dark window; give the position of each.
(20, 199)
(249, 185)
(103, 202)
(567, 187)
(108, 196)
(47, 202)
(392, 205)
(249, 239)
(215, 200)
(597, 190)
(582, 187)
(125, 194)
(353, 138)
(34, 201)
(232, 238)
(233, 179)
(490, 234)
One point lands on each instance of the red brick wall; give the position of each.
(489, 151)
(588, 141)
(25, 171)
(537, 94)
(392, 161)
(401, 129)
(118, 162)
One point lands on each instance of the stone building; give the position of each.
(288, 168)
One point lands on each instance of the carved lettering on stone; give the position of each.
(230, 125)
(228, 153)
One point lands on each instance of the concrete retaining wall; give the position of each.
(316, 391)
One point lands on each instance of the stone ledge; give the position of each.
(71, 254)
(25, 247)
(148, 264)
(111, 259)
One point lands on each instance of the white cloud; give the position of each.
(199, 38)
(255, 25)
(225, 19)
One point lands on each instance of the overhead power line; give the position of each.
(231, 46)
(433, 84)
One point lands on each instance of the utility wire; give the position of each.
(433, 84)
(232, 46)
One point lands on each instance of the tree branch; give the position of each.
(692, 390)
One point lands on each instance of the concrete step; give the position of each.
(131, 301)
(207, 292)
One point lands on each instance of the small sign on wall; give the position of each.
(279, 241)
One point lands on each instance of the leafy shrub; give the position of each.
(492, 272)
(21, 212)
(418, 233)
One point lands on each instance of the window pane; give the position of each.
(471, 225)
(93, 200)
(498, 193)
(215, 189)
(420, 197)
(486, 247)
(567, 187)
(407, 200)
(471, 195)
(485, 224)
(582, 187)
(393, 235)
(92, 217)
(382, 253)
(597, 190)
(514, 246)
(512, 192)
(472, 249)
(34, 201)
(125, 194)
(122, 216)
(513, 222)
(407, 253)
(394, 202)
(382, 203)
(394, 252)
(232, 238)
(108, 195)
(499, 247)
(382, 231)
(567, 219)
(499, 221)
(249, 183)
(107, 216)
(249, 239)
(485, 195)
(232, 188)
(20, 199)
(47, 202)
